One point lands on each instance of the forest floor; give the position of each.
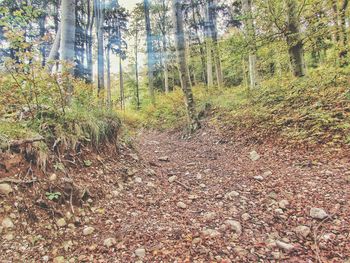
(206, 198)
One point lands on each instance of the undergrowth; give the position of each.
(314, 109)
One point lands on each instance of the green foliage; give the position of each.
(53, 195)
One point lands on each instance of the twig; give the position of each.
(183, 185)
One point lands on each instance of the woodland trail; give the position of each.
(200, 199)
(204, 181)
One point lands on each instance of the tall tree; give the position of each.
(294, 40)
(68, 41)
(99, 11)
(251, 41)
(150, 53)
(182, 63)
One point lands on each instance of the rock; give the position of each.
(211, 233)
(131, 172)
(303, 231)
(109, 242)
(181, 205)
(151, 185)
(196, 240)
(318, 213)
(209, 216)
(267, 173)
(279, 211)
(231, 195)
(246, 216)
(164, 159)
(199, 176)
(9, 237)
(88, 230)
(5, 189)
(149, 172)
(203, 185)
(234, 225)
(193, 197)
(46, 258)
(140, 252)
(258, 178)
(7, 223)
(276, 255)
(61, 222)
(254, 156)
(53, 177)
(59, 259)
(283, 204)
(68, 245)
(172, 179)
(138, 180)
(284, 246)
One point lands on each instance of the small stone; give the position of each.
(88, 230)
(254, 156)
(109, 242)
(284, 246)
(9, 237)
(151, 185)
(53, 177)
(318, 213)
(172, 179)
(246, 216)
(196, 240)
(131, 172)
(138, 180)
(276, 255)
(140, 252)
(212, 233)
(303, 231)
(231, 195)
(150, 172)
(235, 226)
(279, 211)
(203, 185)
(181, 205)
(193, 197)
(61, 222)
(46, 258)
(164, 159)
(209, 216)
(267, 173)
(7, 223)
(5, 189)
(59, 259)
(258, 178)
(199, 176)
(283, 204)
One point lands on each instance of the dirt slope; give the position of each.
(201, 199)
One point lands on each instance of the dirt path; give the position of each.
(201, 199)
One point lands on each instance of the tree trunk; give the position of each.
(121, 84)
(343, 34)
(109, 94)
(294, 41)
(137, 72)
(42, 30)
(150, 55)
(67, 42)
(208, 45)
(89, 26)
(250, 36)
(182, 62)
(99, 16)
(54, 52)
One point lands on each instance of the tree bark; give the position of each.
(99, 16)
(109, 93)
(137, 72)
(294, 41)
(68, 42)
(182, 62)
(250, 36)
(54, 52)
(343, 34)
(150, 55)
(208, 45)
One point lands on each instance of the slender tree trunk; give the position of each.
(250, 36)
(89, 26)
(208, 45)
(121, 84)
(67, 42)
(42, 21)
(150, 55)
(137, 71)
(343, 34)
(99, 15)
(182, 62)
(54, 52)
(109, 94)
(294, 41)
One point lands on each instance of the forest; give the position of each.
(174, 131)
